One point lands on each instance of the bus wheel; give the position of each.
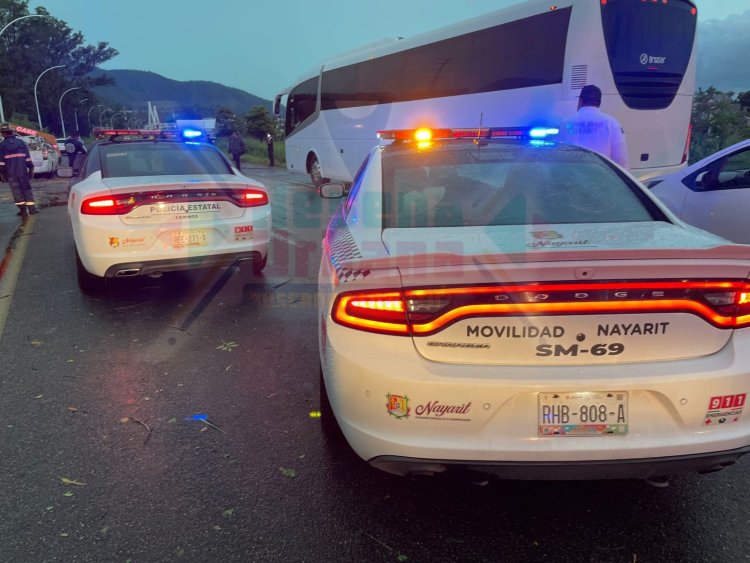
(315, 174)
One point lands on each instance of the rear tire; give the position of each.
(315, 174)
(88, 283)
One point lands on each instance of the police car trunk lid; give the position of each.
(178, 198)
(566, 294)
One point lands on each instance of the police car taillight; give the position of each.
(382, 312)
(249, 197)
(125, 203)
(422, 312)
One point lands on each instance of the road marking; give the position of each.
(13, 268)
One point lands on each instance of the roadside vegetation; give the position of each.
(719, 119)
(257, 151)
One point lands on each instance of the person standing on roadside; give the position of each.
(269, 142)
(76, 151)
(17, 168)
(236, 148)
(591, 128)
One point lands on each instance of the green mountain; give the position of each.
(191, 99)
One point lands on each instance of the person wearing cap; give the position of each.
(592, 128)
(17, 168)
(76, 151)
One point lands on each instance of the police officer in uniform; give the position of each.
(76, 151)
(591, 128)
(17, 168)
(269, 142)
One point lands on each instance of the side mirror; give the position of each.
(277, 105)
(334, 190)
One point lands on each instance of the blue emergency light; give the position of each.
(542, 132)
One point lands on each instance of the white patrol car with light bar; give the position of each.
(494, 300)
(150, 202)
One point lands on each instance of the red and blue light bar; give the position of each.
(425, 134)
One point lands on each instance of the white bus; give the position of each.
(521, 66)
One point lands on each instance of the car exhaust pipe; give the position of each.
(127, 273)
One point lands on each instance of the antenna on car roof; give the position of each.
(478, 141)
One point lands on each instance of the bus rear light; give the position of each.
(686, 152)
(724, 304)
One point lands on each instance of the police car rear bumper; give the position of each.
(643, 468)
(130, 269)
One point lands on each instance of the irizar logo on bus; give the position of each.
(648, 59)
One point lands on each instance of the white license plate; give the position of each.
(590, 413)
(194, 237)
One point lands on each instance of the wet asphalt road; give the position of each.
(105, 393)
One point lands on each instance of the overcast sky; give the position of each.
(262, 46)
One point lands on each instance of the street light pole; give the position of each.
(105, 110)
(36, 99)
(88, 116)
(59, 103)
(75, 110)
(23, 18)
(112, 119)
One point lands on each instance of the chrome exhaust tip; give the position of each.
(127, 273)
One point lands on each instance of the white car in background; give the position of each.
(43, 155)
(712, 194)
(149, 202)
(529, 309)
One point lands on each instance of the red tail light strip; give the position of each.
(356, 310)
(724, 304)
(122, 204)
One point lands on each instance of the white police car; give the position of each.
(149, 202)
(527, 308)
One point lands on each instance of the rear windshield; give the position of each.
(120, 160)
(507, 185)
(33, 143)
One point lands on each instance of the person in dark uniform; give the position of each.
(76, 151)
(269, 142)
(17, 169)
(236, 148)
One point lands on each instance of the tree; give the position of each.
(226, 122)
(717, 121)
(31, 46)
(259, 121)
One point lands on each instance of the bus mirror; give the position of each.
(277, 105)
(333, 190)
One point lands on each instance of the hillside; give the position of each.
(134, 88)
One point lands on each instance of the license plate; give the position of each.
(195, 237)
(590, 413)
